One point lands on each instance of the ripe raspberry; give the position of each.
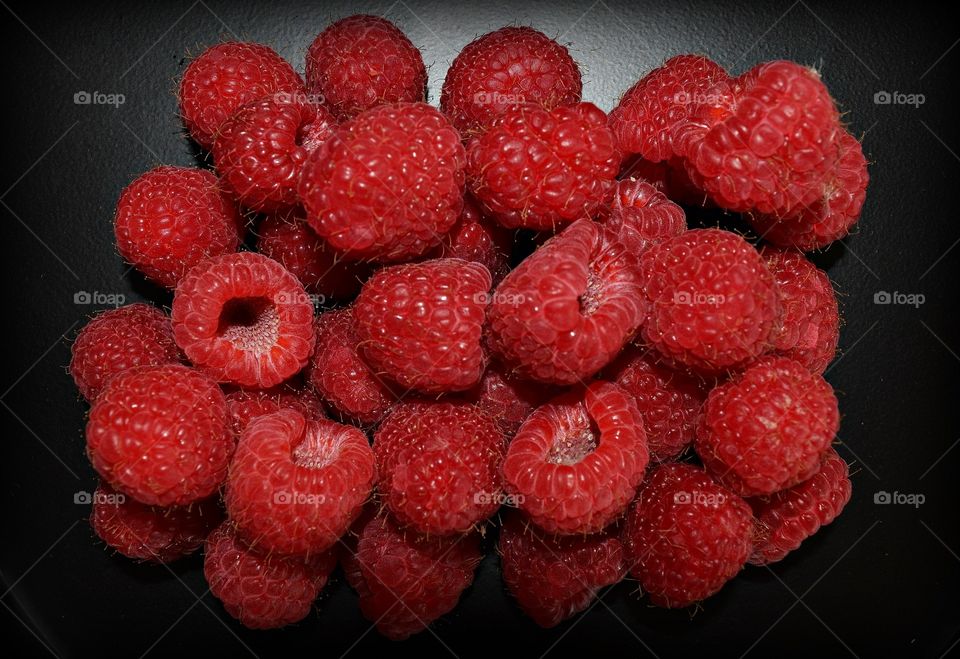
(226, 76)
(540, 169)
(262, 591)
(388, 184)
(243, 318)
(641, 216)
(766, 429)
(477, 238)
(511, 65)
(669, 401)
(713, 303)
(569, 308)
(290, 241)
(260, 150)
(422, 323)
(117, 340)
(439, 466)
(405, 581)
(172, 218)
(554, 578)
(670, 177)
(686, 536)
(809, 330)
(159, 434)
(296, 485)
(789, 517)
(363, 61)
(245, 405)
(829, 216)
(652, 112)
(576, 462)
(506, 399)
(342, 377)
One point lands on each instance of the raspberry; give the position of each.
(713, 304)
(766, 429)
(669, 401)
(341, 376)
(245, 405)
(422, 323)
(260, 150)
(405, 582)
(576, 462)
(243, 318)
(388, 184)
(439, 466)
(476, 238)
(651, 112)
(290, 241)
(670, 177)
(540, 169)
(554, 578)
(811, 320)
(789, 517)
(262, 591)
(641, 216)
(149, 533)
(829, 216)
(363, 61)
(567, 309)
(499, 69)
(172, 218)
(117, 340)
(686, 536)
(295, 484)
(506, 399)
(159, 434)
(226, 76)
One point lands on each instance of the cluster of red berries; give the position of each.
(649, 399)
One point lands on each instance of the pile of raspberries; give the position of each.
(631, 398)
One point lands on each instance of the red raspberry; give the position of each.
(244, 319)
(117, 340)
(766, 429)
(226, 76)
(651, 113)
(262, 591)
(713, 303)
(477, 238)
(422, 323)
(576, 462)
(342, 377)
(506, 399)
(439, 466)
(388, 184)
(789, 517)
(149, 533)
(172, 218)
(260, 150)
(290, 241)
(669, 401)
(811, 320)
(511, 65)
(670, 177)
(540, 169)
(405, 581)
(686, 536)
(641, 216)
(245, 405)
(830, 215)
(160, 435)
(295, 484)
(569, 308)
(363, 61)
(554, 578)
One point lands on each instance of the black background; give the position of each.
(882, 581)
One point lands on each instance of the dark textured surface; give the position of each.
(882, 581)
